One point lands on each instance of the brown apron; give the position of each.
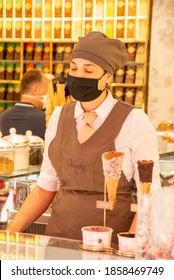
(79, 168)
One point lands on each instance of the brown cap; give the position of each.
(109, 54)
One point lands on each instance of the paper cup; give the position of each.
(126, 242)
(97, 236)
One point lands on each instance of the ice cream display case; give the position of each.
(22, 246)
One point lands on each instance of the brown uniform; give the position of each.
(79, 168)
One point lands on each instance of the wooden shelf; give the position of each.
(74, 19)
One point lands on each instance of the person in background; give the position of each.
(71, 177)
(28, 114)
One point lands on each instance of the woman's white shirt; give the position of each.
(136, 139)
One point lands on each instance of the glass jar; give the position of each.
(36, 148)
(21, 144)
(6, 157)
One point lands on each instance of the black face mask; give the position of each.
(83, 89)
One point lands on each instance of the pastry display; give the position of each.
(145, 168)
(112, 165)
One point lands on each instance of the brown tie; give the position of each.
(87, 130)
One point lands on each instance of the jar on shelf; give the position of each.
(21, 147)
(36, 148)
(6, 157)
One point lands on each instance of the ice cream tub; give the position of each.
(97, 236)
(126, 242)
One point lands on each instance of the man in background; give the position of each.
(28, 114)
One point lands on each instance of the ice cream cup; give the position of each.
(126, 242)
(97, 236)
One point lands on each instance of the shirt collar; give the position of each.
(102, 111)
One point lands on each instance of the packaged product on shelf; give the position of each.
(120, 7)
(67, 29)
(17, 51)
(79, 8)
(57, 29)
(17, 92)
(9, 8)
(39, 66)
(131, 51)
(9, 50)
(18, 8)
(37, 29)
(1, 28)
(58, 8)
(88, 26)
(58, 70)
(67, 52)
(48, 6)
(38, 8)
(118, 92)
(110, 8)
(28, 8)
(46, 51)
(129, 95)
(9, 73)
(110, 28)
(58, 51)
(46, 68)
(99, 8)
(68, 8)
(47, 29)
(38, 48)
(2, 91)
(8, 29)
(9, 92)
(139, 76)
(99, 25)
(131, 7)
(89, 8)
(1, 8)
(142, 28)
(29, 66)
(139, 98)
(131, 28)
(2, 50)
(28, 25)
(120, 29)
(143, 8)
(2, 70)
(28, 51)
(140, 53)
(17, 71)
(119, 75)
(130, 74)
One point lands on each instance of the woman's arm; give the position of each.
(33, 207)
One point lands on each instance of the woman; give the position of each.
(71, 176)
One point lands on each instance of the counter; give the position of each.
(22, 246)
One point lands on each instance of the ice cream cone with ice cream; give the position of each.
(112, 165)
(145, 168)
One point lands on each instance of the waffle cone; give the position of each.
(145, 187)
(111, 185)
